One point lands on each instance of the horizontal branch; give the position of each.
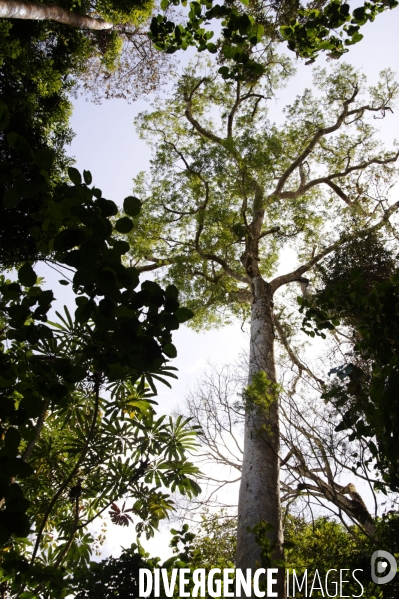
(328, 180)
(242, 296)
(14, 9)
(156, 263)
(275, 229)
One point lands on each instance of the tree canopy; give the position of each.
(225, 167)
(43, 63)
(247, 27)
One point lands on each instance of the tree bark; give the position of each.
(13, 9)
(259, 497)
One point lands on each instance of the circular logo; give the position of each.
(386, 558)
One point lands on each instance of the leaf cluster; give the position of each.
(247, 26)
(361, 291)
(240, 34)
(312, 33)
(55, 423)
(322, 544)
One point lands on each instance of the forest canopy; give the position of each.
(307, 423)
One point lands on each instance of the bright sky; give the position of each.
(106, 144)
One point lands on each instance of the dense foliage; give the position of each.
(331, 28)
(74, 394)
(245, 26)
(323, 545)
(36, 63)
(361, 290)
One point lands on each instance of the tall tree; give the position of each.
(229, 192)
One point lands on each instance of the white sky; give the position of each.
(106, 144)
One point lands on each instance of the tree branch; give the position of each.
(297, 273)
(300, 365)
(318, 135)
(39, 425)
(188, 98)
(224, 265)
(14, 9)
(303, 188)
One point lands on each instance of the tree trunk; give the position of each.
(259, 497)
(13, 9)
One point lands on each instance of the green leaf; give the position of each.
(44, 158)
(33, 405)
(4, 115)
(12, 139)
(27, 276)
(170, 321)
(4, 382)
(171, 292)
(121, 247)
(57, 391)
(359, 14)
(107, 207)
(132, 206)
(169, 350)
(5, 534)
(108, 282)
(22, 146)
(87, 177)
(260, 31)
(63, 282)
(74, 175)
(124, 225)
(12, 440)
(11, 198)
(17, 504)
(17, 522)
(183, 314)
(15, 466)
